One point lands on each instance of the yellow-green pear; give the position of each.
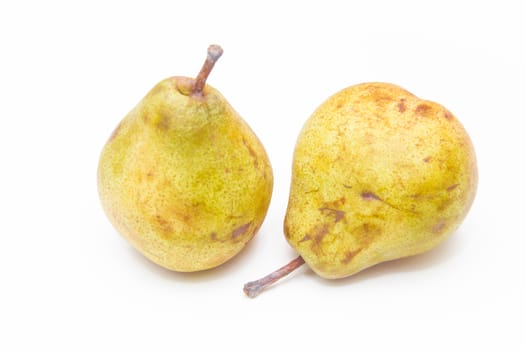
(183, 177)
(378, 174)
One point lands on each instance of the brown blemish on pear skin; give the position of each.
(438, 228)
(164, 224)
(366, 195)
(421, 196)
(452, 187)
(401, 107)
(252, 152)
(319, 233)
(316, 237)
(164, 123)
(448, 115)
(423, 109)
(350, 255)
(369, 196)
(180, 215)
(240, 230)
(445, 204)
(305, 238)
(378, 96)
(337, 203)
(368, 234)
(427, 159)
(338, 214)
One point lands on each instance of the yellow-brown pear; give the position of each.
(183, 177)
(378, 174)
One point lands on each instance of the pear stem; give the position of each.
(254, 288)
(214, 52)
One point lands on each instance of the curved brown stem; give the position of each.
(214, 53)
(254, 288)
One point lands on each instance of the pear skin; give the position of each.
(183, 177)
(378, 174)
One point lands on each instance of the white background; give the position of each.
(69, 71)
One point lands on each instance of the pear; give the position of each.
(183, 177)
(378, 174)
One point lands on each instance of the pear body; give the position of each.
(378, 174)
(184, 179)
